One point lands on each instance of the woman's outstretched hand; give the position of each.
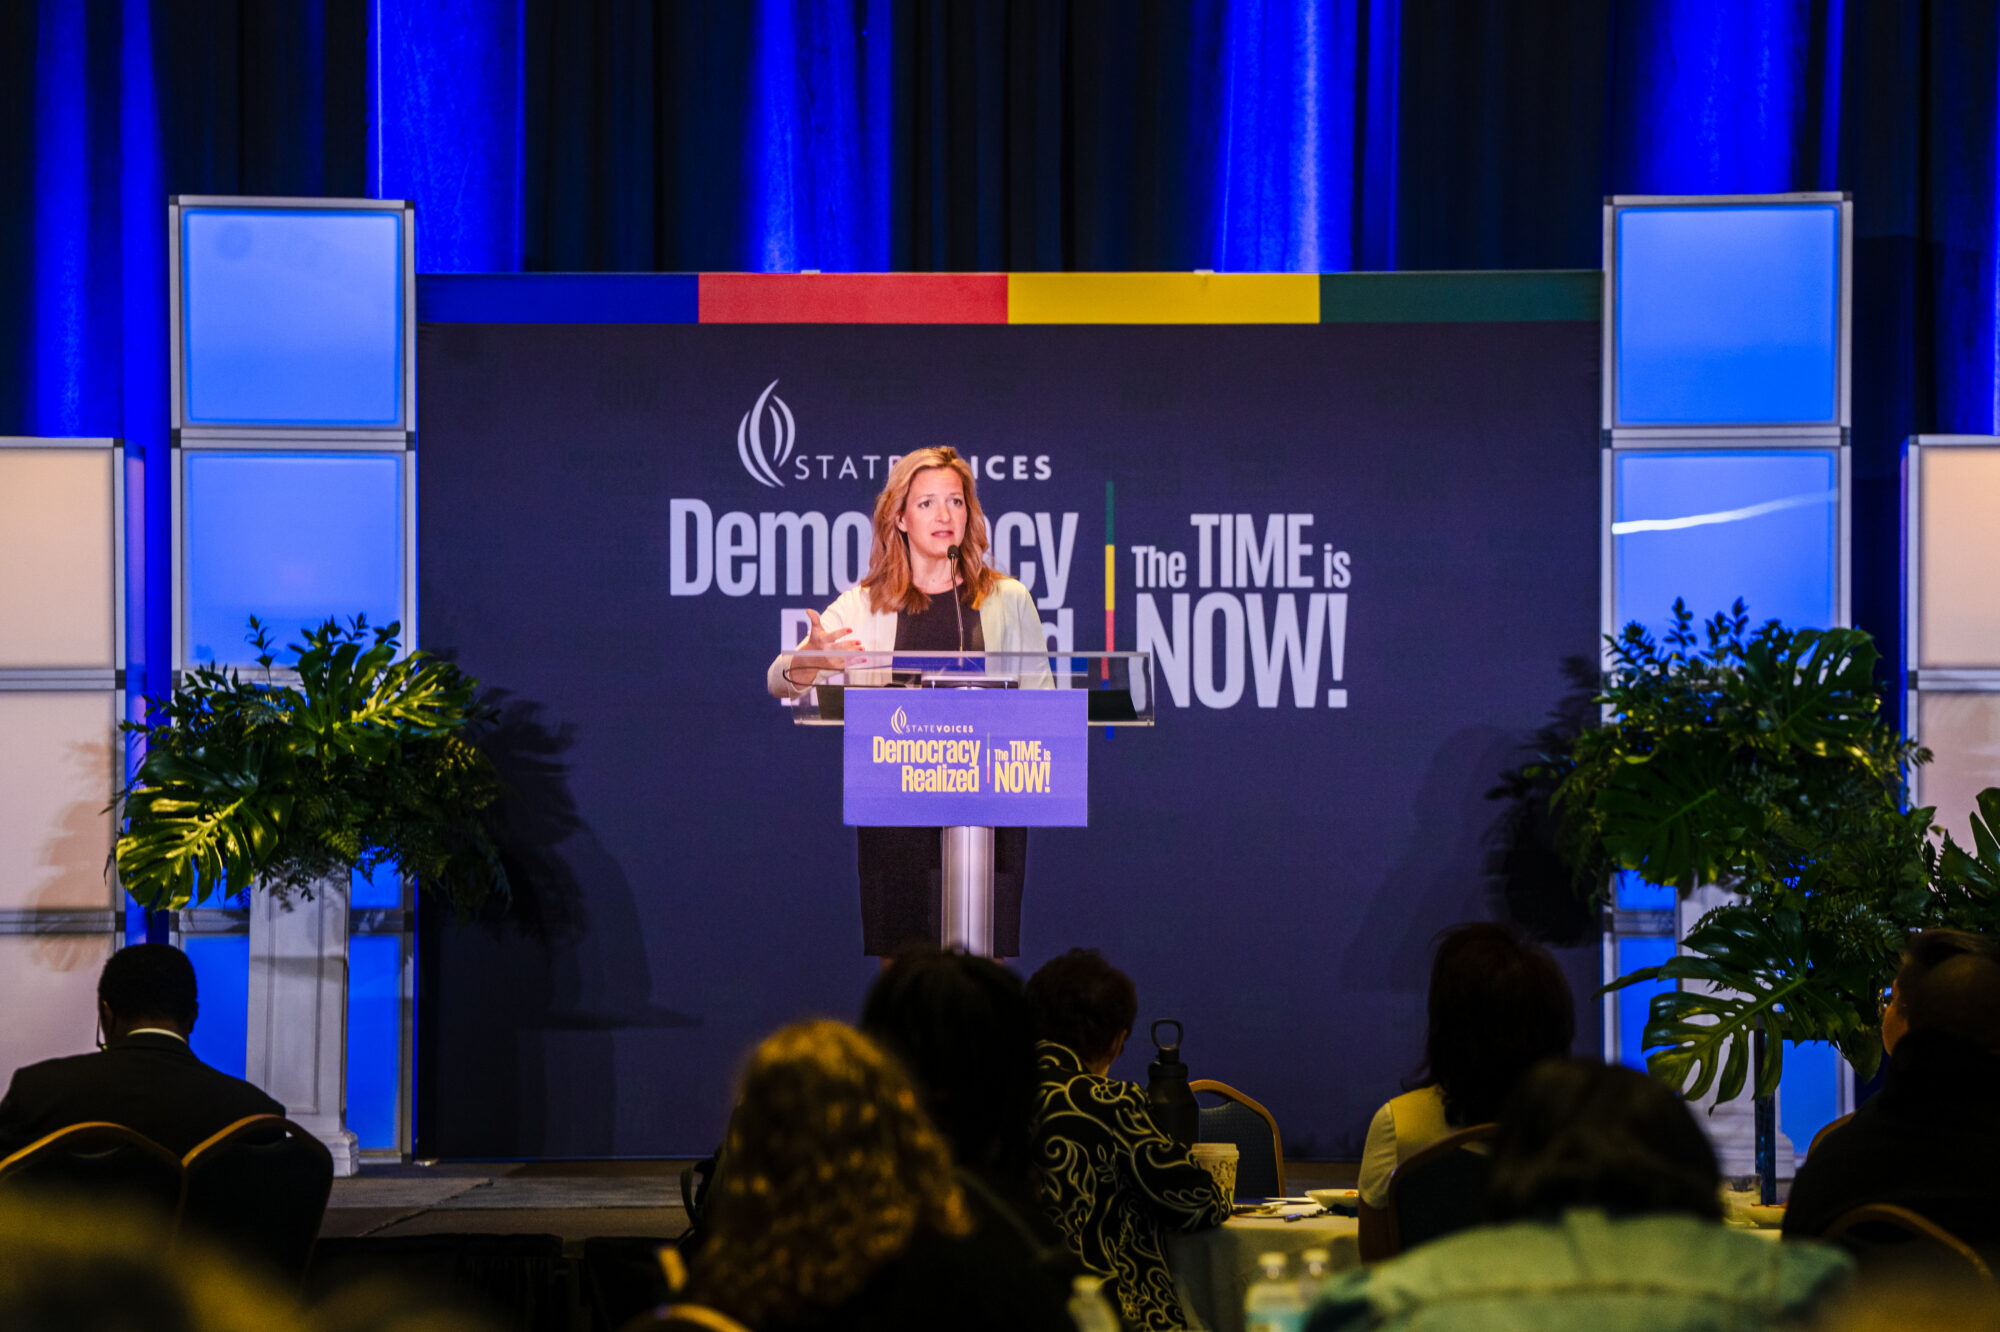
(813, 656)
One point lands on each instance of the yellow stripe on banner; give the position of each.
(1110, 582)
(1163, 298)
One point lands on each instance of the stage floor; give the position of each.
(576, 1200)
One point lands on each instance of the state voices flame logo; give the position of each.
(899, 722)
(760, 460)
(767, 438)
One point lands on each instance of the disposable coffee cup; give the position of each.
(1219, 1160)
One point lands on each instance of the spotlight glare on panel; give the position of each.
(1712, 525)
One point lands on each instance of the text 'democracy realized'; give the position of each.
(978, 757)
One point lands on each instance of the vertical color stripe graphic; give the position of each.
(1110, 581)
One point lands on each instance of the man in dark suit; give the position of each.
(1929, 1140)
(145, 1076)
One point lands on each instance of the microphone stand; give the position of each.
(951, 553)
(966, 876)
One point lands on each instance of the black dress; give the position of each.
(901, 868)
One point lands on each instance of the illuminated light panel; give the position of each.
(292, 317)
(1808, 1091)
(1962, 731)
(221, 1036)
(292, 538)
(1632, 893)
(48, 989)
(1958, 553)
(1728, 315)
(1714, 525)
(55, 783)
(57, 585)
(1633, 1002)
(374, 1038)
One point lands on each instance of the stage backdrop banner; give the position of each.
(1360, 553)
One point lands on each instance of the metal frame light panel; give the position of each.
(1609, 622)
(1771, 431)
(406, 610)
(304, 440)
(1722, 437)
(395, 435)
(88, 676)
(1919, 679)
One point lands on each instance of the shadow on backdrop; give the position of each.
(525, 1001)
(1530, 882)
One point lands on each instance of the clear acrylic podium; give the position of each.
(1118, 689)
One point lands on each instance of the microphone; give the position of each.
(951, 553)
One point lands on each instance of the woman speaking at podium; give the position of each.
(928, 589)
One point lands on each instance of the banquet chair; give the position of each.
(1882, 1233)
(1260, 1152)
(1825, 1129)
(517, 1282)
(684, 1318)
(99, 1160)
(259, 1187)
(1439, 1191)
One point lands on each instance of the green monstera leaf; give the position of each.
(1812, 691)
(1754, 974)
(1671, 816)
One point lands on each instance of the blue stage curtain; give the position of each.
(816, 158)
(1964, 215)
(1722, 99)
(445, 127)
(1303, 130)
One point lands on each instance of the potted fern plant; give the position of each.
(283, 783)
(1757, 761)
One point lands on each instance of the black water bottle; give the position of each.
(1167, 1096)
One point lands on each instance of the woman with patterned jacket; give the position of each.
(1111, 1180)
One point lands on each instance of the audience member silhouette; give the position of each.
(144, 1076)
(1111, 1179)
(1929, 1139)
(1498, 1004)
(836, 1207)
(1606, 1210)
(962, 1028)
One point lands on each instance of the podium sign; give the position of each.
(996, 758)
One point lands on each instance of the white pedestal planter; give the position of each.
(298, 1012)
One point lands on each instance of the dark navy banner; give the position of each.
(1360, 554)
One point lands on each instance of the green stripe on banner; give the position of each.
(1461, 298)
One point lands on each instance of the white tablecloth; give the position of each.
(1214, 1268)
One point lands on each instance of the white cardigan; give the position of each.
(1008, 622)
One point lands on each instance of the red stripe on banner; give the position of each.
(853, 298)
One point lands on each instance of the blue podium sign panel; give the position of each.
(1014, 758)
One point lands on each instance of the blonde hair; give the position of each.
(888, 581)
(830, 1169)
